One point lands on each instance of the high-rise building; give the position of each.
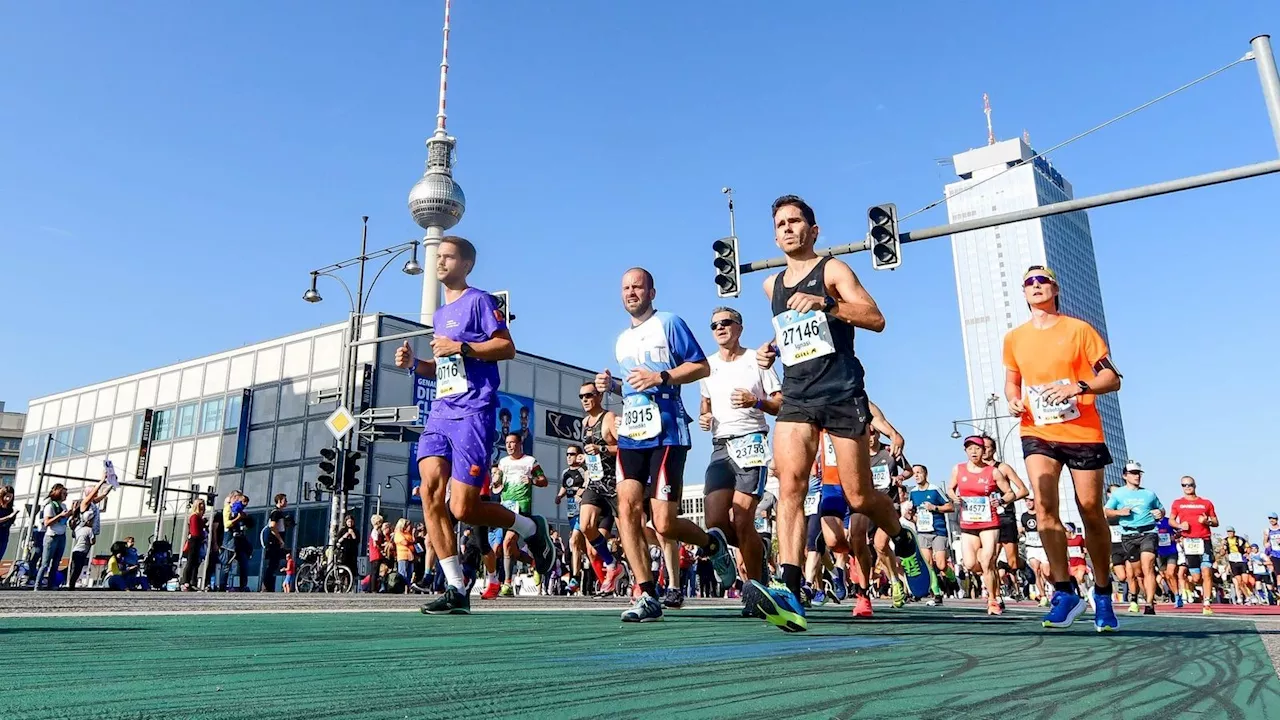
(11, 424)
(1000, 178)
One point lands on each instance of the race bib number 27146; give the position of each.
(802, 336)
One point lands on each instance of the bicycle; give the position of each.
(317, 573)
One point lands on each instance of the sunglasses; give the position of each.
(587, 395)
(571, 453)
(1037, 280)
(717, 324)
(1191, 485)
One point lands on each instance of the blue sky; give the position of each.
(169, 174)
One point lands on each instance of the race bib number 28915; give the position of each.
(641, 419)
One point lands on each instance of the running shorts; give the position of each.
(724, 474)
(930, 541)
(1167, 560)
(1038, 554)
(1238, 569)
(1076, 456)
(608, 504)
(833, 503)
(463, 442)
(813, 541)
(660, 469)
(847, 419)
(1196, 562)
(1135, 544)
(1008, 530)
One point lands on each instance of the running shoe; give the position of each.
(1064, 608)
(919, 575)
(1104, 616)
(507, 590)
(1001, 604)
(1044, 601)
(819, 598)
(806, 596)
(1149, 610)
(1133, 607)
(491, 591)
(572, 587)
(646, 609)
(994, 609)
(449, 602)
(779, 607)
(1177, 601)
(839, 585)
(898, 594)
(673, 599)
(540, 546)
(610, 582)
(1206, 610)
(537, 578)
(931, 602)
(862, 607)
(721, 560)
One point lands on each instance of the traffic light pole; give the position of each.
(160, 501)
(1270, 78)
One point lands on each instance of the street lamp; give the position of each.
(312, 296)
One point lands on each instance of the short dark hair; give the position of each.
(797, 202)
(505, 412)
(575, 447)
(515, 435)
(923, 469)
(466, 250)
(279, 497)
(648, 276)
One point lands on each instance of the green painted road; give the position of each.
(912, 663)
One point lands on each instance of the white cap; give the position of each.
(1133, 466)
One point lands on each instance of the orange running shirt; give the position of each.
(827, 460)
(1063, 353)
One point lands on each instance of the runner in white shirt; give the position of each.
(735, 397)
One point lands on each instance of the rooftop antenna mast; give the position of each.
(986, 109)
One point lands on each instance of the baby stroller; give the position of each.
(159, 565)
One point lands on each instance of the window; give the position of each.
(28, 452)
(135, 438)
(62, 443)
(162, 425)
(187, 420)
(8, 463)
(233, 412)
(80, 439)
(211, 416)
(9, 444)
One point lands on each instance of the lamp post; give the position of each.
(359, 304)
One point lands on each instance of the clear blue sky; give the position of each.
(170, 172)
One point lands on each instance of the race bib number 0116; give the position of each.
(748, 451)
(802, 336)
(641, 419)
(1050, 413)
(451, 376)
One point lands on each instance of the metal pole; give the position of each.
(1266, 62)
(160, 501)
(209, 549)
(1145, 191)
(27, 543)
(364, 245)
(430, 285)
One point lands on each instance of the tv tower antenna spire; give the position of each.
(986, 109)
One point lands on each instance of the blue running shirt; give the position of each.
(1140, 502)
(663, 342)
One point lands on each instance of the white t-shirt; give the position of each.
(740, 374)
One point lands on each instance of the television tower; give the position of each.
(436, 201)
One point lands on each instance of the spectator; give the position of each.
(88, 527)
(235, 548)
(216, 533)
(404, 542)
(193, 546)
(273, 545)
(122, 574)
(290, 571)
(349, 544)
(54, 518)
(706, 577)
(376, 560)
(688, 578)
(7, 515)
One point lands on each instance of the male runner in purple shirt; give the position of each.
(470, 338)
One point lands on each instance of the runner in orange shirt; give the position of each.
(1055, 366)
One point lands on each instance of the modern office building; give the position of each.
(989, 263)
(248, 419)
(11, 424)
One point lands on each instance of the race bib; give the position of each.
(1235, 557)
(641, 419)
(975, 509)
(1258, 568)
(880, 477)
(1115, 533)
(1047, 413)
(1274, 540)
(802, 336)
(595, 468)
(811, 504)
(1033, 539)
(761, 524)
(1165, 539)
(828, 451)
(924, 520)
(571, 507)
(748, 451)
(1193, 546)
(1075, 551)
(451, 376)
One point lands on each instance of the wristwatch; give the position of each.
(666, 377)
(828, 303)
(1084, 387)
(465, 350)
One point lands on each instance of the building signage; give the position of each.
(564, 426)
(144, 447)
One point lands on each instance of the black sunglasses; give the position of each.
(1191, 485)
(717, 324)
(587, 395)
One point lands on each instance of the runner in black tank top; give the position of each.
(817, 303)
(599, 500)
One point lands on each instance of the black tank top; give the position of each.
(824, 380)
(594, 434)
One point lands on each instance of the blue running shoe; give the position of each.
(919, 576)
(778, 607)
(819, 598)
(1064, 608)
(646, 609)
(1177, 600)
(839, 585)
(726, 569)
(1104, 617)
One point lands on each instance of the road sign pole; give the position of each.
(27, 542)
(160, 501)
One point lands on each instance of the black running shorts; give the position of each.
(1076, 456)
(847, 419)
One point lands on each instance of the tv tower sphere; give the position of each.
(436, 200)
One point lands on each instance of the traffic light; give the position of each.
(886, 247)
(728, 275)
(326, 480)
(350, 470)
(153, 493)
(504, 304)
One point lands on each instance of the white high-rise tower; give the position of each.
(999, 178)
(436, 201)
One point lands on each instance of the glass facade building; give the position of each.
(989, 265)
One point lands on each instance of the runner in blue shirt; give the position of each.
(931, 525)
(1133, 505)
(1167, 553)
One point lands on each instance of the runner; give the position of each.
(1119, 567)
(815, 533)
(1077, 566)
(517, 475)
(1008, 514)
(735, 398)
(1193, 516)
(471, 338)
(1236, 548)
(1167, 554)
(1055, 367)
(976, 486)
(1260, 567)
(656, 355)
(764, 526)
(572, 481)
(832, 518)
(817, 303)
(931, 525)
(600, 497)
(1036, 557)
(887, 476)
(1133, 506)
